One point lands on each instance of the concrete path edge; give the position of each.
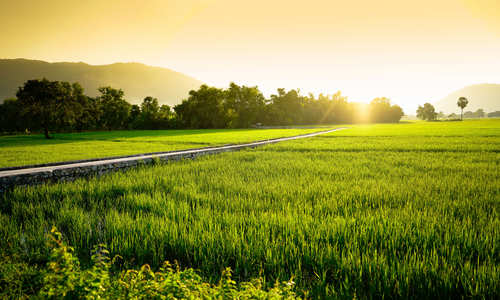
(68, 171)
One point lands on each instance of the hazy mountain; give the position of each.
(485, 96)
(136, 80)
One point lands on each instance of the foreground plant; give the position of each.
(65, 279)
(408, 211)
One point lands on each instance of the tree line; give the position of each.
(51, 106)
(428, 112)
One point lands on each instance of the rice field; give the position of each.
(375, 211)
(19, 150)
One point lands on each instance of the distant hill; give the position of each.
(485, 96)
(136, 80)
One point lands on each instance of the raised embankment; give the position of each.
(68, 171)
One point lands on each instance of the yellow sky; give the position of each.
(409, 51)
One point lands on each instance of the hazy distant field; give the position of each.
(394, 211)
(35, 149)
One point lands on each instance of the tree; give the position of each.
(165, 117)
(427, 112)
(327, 109)
(86, 114)
(10, 116)
(245, 105)
(48, 104)
(150, 113)
(494, 114)
(133, 118)
(462, 103)
(381, 111)
(469, 115)
(396, 113)
(204, 108)
(286, 108)
(115, 110)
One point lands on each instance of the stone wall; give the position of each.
(74, 171)
(11, 177)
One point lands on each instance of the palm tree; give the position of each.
(462, 103)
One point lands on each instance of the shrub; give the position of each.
(63, 278)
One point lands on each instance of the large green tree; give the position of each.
(245, 105)
(86, 112)
(286, 108)
(150, 113)
(10, 116)
(426, 112)
(48, 104)
(204, 108)
(381, 111)
(114, 110)
(166, 117)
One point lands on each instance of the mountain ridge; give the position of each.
(137, 80)
(483, 95)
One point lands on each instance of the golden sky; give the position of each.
(409, 51)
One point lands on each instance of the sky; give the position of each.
(409, 51)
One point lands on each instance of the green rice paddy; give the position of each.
(376, 211)
(19, 150)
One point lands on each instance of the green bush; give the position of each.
(64, 279)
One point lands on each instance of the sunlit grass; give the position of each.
(477, 127)
(35, 149)
(394, 211)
